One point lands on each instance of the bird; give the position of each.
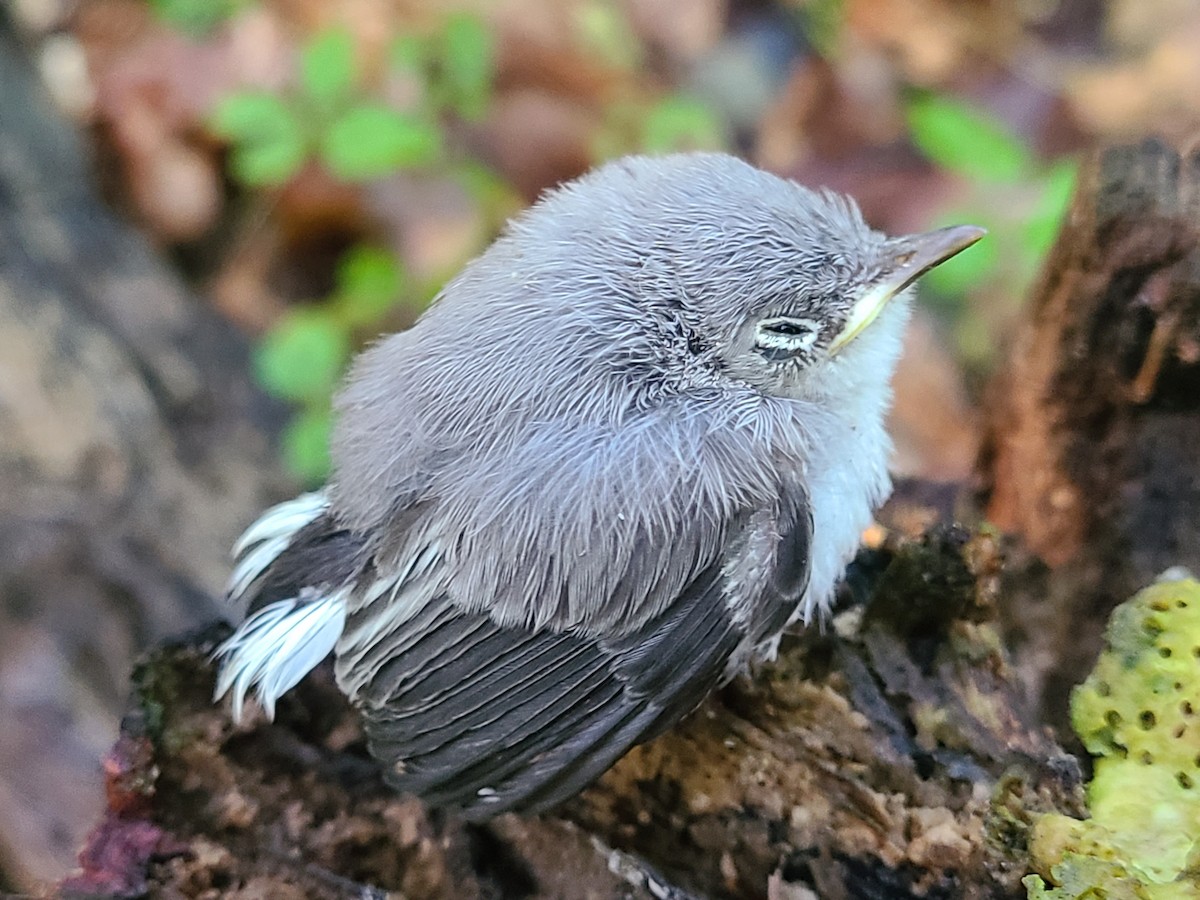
(622, 451)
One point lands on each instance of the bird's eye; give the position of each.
(783, 337)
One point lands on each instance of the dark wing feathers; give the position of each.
(700, 642)
(404, 653)
(502, 718)
(484, 717)
(320, 554)
(689, 650)
(456, 773)
(498, 743)
(576, 761)
(494, 769)
(790, 574)
(495, 703)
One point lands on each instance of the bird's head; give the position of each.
(835, 322)
(750, 275)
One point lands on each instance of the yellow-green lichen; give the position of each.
(1139, 714)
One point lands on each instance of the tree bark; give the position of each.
(1092, 451)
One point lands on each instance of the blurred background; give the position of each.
(306, 173)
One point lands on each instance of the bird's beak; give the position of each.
(908, 258)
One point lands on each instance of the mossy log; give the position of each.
(892, 757)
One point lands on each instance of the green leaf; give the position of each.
(268, 141)
(466, 65)
(327, 67)
(681, 123)
(373, 140)
(369, 283)
(302, 357)
(306, 444)
(1042, 225)
(966, 140)
(409, 52)
(195, 17)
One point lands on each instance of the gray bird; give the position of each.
(625, 448)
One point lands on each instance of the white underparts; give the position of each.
(848, 471)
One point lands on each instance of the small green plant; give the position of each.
(679, 122)
(1019, 198)
(456, 65)
(675, 122)
(329, 117)
(635, 121)
(195, 17)
(332, 117)
(302, 358)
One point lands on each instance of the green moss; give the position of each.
(1139, 714)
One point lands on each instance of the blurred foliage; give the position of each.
(330, 117)
(195, 17)
(964, 140)
(1137, 714)
(668, 124)
(999, 170)
(460, 70)
(333, 118)
(604, 31)
(303, 356)
(823, 23)
(641, 122)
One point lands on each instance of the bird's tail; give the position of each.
(296, 569)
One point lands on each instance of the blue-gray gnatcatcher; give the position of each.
(623, 449)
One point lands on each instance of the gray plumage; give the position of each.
(624, 448)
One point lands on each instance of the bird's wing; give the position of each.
(474, 710)
(486, 718)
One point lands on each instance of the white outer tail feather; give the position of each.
(276, 647)
(282, 642)
(263, 541)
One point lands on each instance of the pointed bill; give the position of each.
(911, 257)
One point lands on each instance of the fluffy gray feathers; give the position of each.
(567, 396)
(574, 497)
